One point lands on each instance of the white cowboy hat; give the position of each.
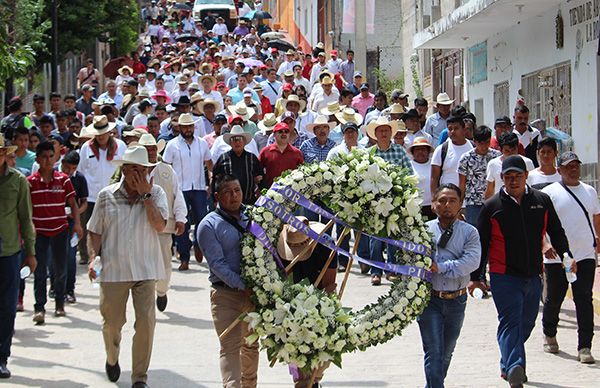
(240, 109)
(267, 123)
(194, 86)
(148, 140)
(381, 122)
(100, 126)
(331, 108)
(420, 142)
(186, 119)
(135, 132)
(294, 98)
(292, 241)
(349, 114)
(397, 109)
(143, 92)
(320, 120)
(237, 130)
(135, 155)
(9, 148)
(443, 99)
(208, 101)
(196, 97)
(122, 68)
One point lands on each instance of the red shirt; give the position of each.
(265, 106)
(494, 145)
(276, 162)
(306, 69)
(48, 200)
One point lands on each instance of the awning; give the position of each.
(477, 20)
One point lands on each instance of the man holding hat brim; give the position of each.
(421, 150)
(137, 208)
(383, 130)
(95, 164)
(240, 163)
(411, 121)
(316, 148)
(436, 123)
(516, 219)
(266, 126)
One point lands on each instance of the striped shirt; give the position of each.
(315, 152)
(395, 154)
(245, 168)
(48, 200)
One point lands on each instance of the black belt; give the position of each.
(449, 294)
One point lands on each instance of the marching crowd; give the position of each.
(208, 121)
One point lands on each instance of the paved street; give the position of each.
(68, 352)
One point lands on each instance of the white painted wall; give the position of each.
(305, 16)
(529, 47)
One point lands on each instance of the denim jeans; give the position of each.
(472, 214)
(196, 202)
(440, 326)
(376, 253)
(517, 301)
(556, 286)
(58, 245)
(9, 291)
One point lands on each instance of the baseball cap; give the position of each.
(87, 87)
(502, 120)
(513, 163)
(357, 74)
(333, 52)
(568, 157)
(281, 127)
(364, 85)
(288, 115)
(247, 92)
(287, 86)
(399, 94)
(232, 118)
(220, 118)
(349, 125)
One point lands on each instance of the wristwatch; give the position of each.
(146, 196)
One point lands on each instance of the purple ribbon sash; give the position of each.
(261, 236)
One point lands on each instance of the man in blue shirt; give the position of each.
(219, 236)
(457, 254)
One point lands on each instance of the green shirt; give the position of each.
(26, 161)
(15, 213)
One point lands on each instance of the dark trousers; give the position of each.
(556, 289)
(58, 245)
(9, 290)
(196, 202)
(83, 243)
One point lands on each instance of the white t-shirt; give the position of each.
(188, 161)
(450, 168)
(572, 217)
(423, 171)
(536, 177)
(494, 169)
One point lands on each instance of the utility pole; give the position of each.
(54, 62)
(360, 36)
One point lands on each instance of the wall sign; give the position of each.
(478, 63)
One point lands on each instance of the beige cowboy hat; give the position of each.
(135, 132)
(327, 80)
(443, 99)
(143, 92)
(194, 86)
(135, 155)
(9, 148)
(237, 130)
(148, 140)
(420, 142)
(240, 109)
(213, 80)
(84, 134)
(289, 73)
(332, 108)
(123, 68)
(396, 109)
(320, 120)
(381, 121)
(401, 126)
(186, 119)
(294, 98)
(349, 115)
(100, 126)
(267, 123)
(292, 241)
(183, 80)
(196, 97)
(208, 101)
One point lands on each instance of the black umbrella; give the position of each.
(281, 45)
(183, 7)
(262, 15)
(184, 37)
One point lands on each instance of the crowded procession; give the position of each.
(323, 215)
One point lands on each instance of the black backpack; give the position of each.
(10, 124)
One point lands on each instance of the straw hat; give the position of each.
(267, 123)
(443, 99)
(396, 109)
(135, 132)
(148, 140)
(208, 101)
(213, 80)
(294, 98)
(320, 120)
(183, 80)
(194, 86)
(327, 80)
(420, 142)
(100, 126)
(196, 97)
(381, 122)
(135, 155)
(237, 130)
(123, 68)
(331, 108)
(292, 241)
(240, 109)
(143, 92)
(9, 149)
(349, 115)
(84, 134)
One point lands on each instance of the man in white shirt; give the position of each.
(288, 64)
(300, 80)
(188, 155)
(326, 97)
(220, 28)
(509, 145)
(334, 64)
(420, 149)
(578, 209)
(411, 120)
(444, 163)
(317, 67)
(271, 87)
(208, 82)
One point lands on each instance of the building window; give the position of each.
(501, 100)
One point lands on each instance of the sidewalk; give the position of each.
(69, 352)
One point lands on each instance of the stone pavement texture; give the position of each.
(69, 352)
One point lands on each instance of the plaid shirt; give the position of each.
(315, 152)
(395, 155)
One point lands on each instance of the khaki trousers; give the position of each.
(113, 301)
(238, 361)
(162, 285)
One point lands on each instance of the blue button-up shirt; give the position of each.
(434, 126)
(220, 243)
(315, 152)
(458, 259)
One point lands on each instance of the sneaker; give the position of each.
(39, 317)
(60, 312)
(20, 306)
(70, 297)
(585, 356)
(375, 280)
(516, 377)
(550, 344)
(4, 371)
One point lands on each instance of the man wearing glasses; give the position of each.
(279, 156)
